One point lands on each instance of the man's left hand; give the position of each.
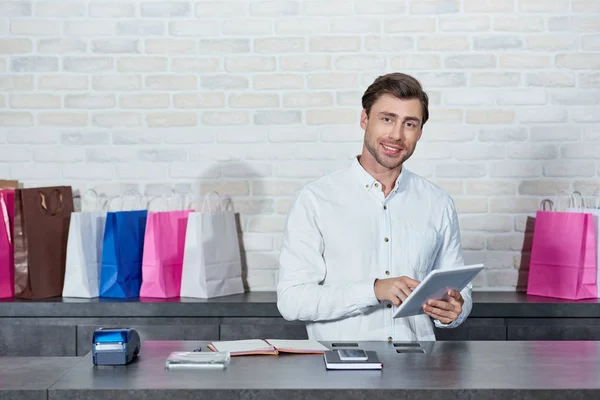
(446, 311)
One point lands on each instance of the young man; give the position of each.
(359, 239)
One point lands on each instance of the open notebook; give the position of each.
(268, 346)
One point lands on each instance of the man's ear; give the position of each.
(364, 119)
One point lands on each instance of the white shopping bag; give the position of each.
(84, 252)
(212, 264)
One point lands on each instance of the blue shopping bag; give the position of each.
(122, 250)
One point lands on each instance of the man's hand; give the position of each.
(395, 290)
(445, 311)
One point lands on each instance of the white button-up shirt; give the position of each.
(342, 233)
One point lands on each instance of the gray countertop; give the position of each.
(264, 304)
(446, 370)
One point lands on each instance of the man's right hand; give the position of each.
(395, 290)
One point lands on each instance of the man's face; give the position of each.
(392, 129)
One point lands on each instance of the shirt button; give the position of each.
(390, 339)
(385, 207)
(386, 240)
(387, 272)
(389, 305)
(367, 186)
(377, 185)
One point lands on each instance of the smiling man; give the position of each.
(358, 240)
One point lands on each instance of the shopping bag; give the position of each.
(84, 248)
(162, 260)
(563, 255)
(40, 240)
(7, 266)
(122, 249)
(212, 264)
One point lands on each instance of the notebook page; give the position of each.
(242, 346)
(297, 345)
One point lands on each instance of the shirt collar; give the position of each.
(368, 182)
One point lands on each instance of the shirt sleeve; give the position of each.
(302, 291)
(450, 255)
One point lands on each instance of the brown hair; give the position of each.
(399, 85)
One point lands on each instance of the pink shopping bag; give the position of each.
(7, 254)
(563, 256)
(162, 260)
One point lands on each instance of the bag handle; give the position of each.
(45, 205)
(5, 216)
(573, 203)
(103, 206)
(206, 201)
(545, 202)
(165, 197)
(135, 194)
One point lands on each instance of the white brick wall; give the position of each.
(255, 98)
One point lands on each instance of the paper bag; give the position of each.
(211, 262)
(40, 240)
(7, 265)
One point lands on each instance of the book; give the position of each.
(268, 346)
(196, 360)
(332, 361)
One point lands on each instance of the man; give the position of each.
(358, 240)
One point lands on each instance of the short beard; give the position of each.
(381, 158)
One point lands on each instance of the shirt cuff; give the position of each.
(452, 324)
(365, 294)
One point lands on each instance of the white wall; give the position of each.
(255, 98)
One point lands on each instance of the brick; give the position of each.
(416, 61)
(460, 170)
(307, 100)
(350, 98)
(279, 81)
(515, 169)
(584, 114)
(334, 44)
(474, 23)
(65, 45)
(90, 101)
(88, 171)
(15, 46)
(330, 8)
(187, 170)
(276, 187)
(145, 100)
(34, 64)
(449, 133)
(171, 82)
(449, 43)
(84, 138)
(490, 116)
(472, 242)
(446, 116)
(34, 101)
(522, 97)
(199, 100)
(532, 151)
(552, 42)
(471, 205)
(442, 79)
(102, 9)
(63, 119)
(570, 169)
(143, 171)
(253, 100)
(572, 97)
(495, 79)
(358, 63)
(140, 28)
(591, 132)
(580, 150)
(511, 242)
(434, 7)
(170, 46)
(223, 46)
(225, 118)
(196, 65)
(410, 24)
(518, 24)
(226, 188)
(31, 137)
(486, 223)
(59, 9)
(303, 26)
(469, 98)
(544, 114)
(116, 82)
(262, 261)
(388, 43)
(165, 9)
(283, 206)
(255, 242)
(488, 6)
(204, 28)
(59, 155)
(548, 6)
(16, 82)
(276, 117)
(13, 154)
(247, 27)
(142, 64)
(279, 45)
(89, 28)
(15, 9)
(221, 9)
(231, 135)
(88, 65)
(301, 169)
(587, 188)
(4, 28)
(550, 79)
(261, 280)
(574, 23)
(590, 42)
(118, 46)
(504, 134)
(585, 6)
(166, 119)
(166, 155)
(471, 61)
(492, 188)
(250, 64)
(348, 25)
(117, 119)
(293, 135)
(35, 27)
(433, 151)
(246, 170)
(578, 61)
(497, 42)
(217, 82)
(338, 116)
(136, 137)
(477, 151)
(554, 133)
(543, 187)
(305, 63)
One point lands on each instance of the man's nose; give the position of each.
(397, 132)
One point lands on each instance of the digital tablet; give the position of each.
(435, 286)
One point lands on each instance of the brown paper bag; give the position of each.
(42, 217)
(8, 184)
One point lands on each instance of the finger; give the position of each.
(397, 296)
(443, 305)
(454, 294)
(411, 283)
(403, 287)
(443, 320)
(440, 314)
(439, 311)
